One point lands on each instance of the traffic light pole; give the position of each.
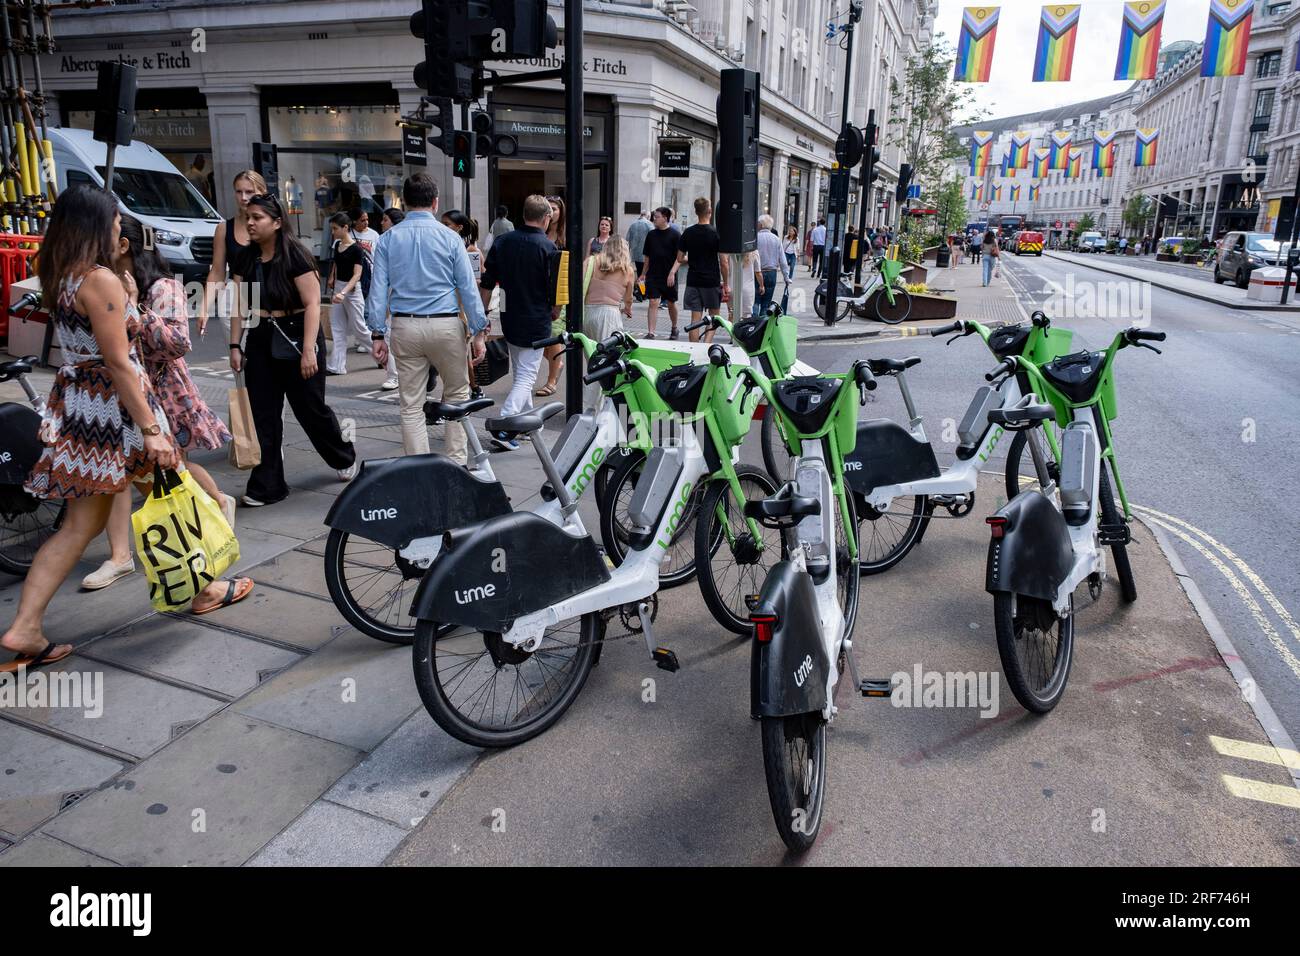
(573, 148)
(837, 206)
(464, 183)
(870, 140)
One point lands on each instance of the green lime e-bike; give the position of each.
(1051, 535)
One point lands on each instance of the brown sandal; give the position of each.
(545, 390)
(42, 657)
(235, 592)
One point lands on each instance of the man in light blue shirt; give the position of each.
(819, 248)
(423, 280)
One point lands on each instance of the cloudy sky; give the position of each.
(1010, 91)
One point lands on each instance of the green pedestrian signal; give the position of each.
(462, 155)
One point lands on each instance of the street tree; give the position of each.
(950, 201)
(1087, 223)
(1137, 211)
(923, 108)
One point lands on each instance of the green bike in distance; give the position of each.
(732, 553)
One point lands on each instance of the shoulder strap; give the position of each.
(586, 278)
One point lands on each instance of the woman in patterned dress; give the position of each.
(162, 344)
(101, 428)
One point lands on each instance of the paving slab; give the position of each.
(294, 571)
(76, 616)
(283, 616)
(256, 545)
(330, 835)
(41, 850)
(300, 516)
(38, 772)
(189, 652)
(1129, 768)
(355, 691)
(139, 714)
(250, 780)
(406, 775)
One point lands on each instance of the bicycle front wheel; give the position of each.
(484, 691)
(819, 306)
(1119, 552)
(794, 762)
(678, 565)
(776, 455)
(1021, 475)
(885, 537)
(730, 562)
(899, 311)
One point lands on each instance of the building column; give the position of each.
(235, 120)
(636, 159)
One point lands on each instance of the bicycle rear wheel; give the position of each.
(794, 762)
(1036, 648)
(26, 523)
(484, 691)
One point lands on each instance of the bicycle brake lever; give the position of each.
(959, 335)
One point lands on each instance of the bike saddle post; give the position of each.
(568, 503)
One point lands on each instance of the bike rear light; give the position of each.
(763, 626)
(997, 525)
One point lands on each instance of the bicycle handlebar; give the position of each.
(1143, 335)
(946, 329)
(548, 342)
(1040, 319)
(718, 355)
(604, 373)
(863, 377)
(706, 321)
(1005, 367)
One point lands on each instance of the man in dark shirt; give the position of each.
(521, 262)
(706, 274)
(660, 254)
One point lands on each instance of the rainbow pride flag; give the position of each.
(1020, 150)
(1041, 162)
(997, 192)
(1075, 169)
(1056, 35)
(1105, 171)
(1144, 147)
(979, 31)
(1008, 169)
(1139, 40)
(981, 151)
(1015, 193)
(974, 190)
(1227, 34)
(1034, 191)
(1060, 147)
(1103, 148)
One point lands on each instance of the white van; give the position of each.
(149, 188)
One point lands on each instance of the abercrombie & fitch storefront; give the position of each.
(331, 104)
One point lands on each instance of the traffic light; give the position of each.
(441, 24)
(526, 30)
(488, 143)
(869, 173)
(904, 181)
(445, 126)
(462, 154)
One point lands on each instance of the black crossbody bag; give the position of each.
(287, 331)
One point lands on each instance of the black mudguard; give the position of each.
(20, 447)
(394, 501)
(491, 574)
(1034, 555)
(887, 454)
(787, 674)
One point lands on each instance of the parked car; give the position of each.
(1241, 253)
(1029, 243)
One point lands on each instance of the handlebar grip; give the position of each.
(698, 325)
(1006, 365)
(1143, 335)
(718, 355)
(603, 374)
(865, 378)
(1040, 319)
(945, 329)
(548, 342)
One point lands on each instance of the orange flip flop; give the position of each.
(45, 656)
(236, 590)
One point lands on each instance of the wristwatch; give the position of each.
(376, 336)
(151, 430)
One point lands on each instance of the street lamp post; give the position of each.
(573, 147)
(837, 206)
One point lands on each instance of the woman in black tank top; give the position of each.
(227, 249)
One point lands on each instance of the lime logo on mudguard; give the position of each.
(588, 472)
(993, 443)
(469, 595)
(679, 509)
(804, 670)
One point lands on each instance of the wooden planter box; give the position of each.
(1192, 259)
(915, 273)
(1166, 257)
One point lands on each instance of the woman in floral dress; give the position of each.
(102, 428)
(163, 342)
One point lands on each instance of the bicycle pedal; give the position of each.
(1110, 534)
(665, 659)
(876, 687)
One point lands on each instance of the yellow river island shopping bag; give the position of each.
(182, 538)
